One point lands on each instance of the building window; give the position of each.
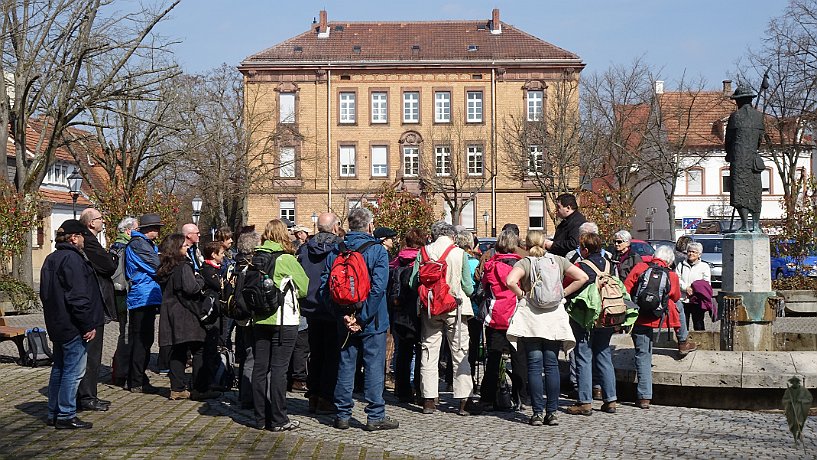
(354, 204)
(474, 106)
(288, 210)
(286, 107)
(411, 107)
(380, 161)
(475, 160)
(766, 181)
(442, 107)
(347, 107)
(535, 99)
(442, 160)
(347, 161)
(380, 107)
(726, 181)
(58, 174)
(286, 168)
(695, 181)
(466, 215)
(535, 160)
(536, 214)
(411, 161)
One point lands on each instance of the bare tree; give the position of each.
(48, 47)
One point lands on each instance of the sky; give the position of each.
(703, 38)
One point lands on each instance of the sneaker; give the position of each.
(550, 419)
(164, 372)
(298, 386)
(429, 406)
(597, 394)
(177, 395)
(341, 423)
(685, 347)
(290, 426)
(643, 404)
(469, 406)
(204, 395)
(609, 407)
(536, 420)
(580, 409)
(386, 424)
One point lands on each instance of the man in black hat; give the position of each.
(744, 131)
(144, 298)
(386, 236)
(72, 307)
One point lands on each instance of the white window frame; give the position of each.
(347, 161)
(476, 160)
(691, 180)
(536, 159)
(287, 209)
(535, 100)
(411, 161)
(347, 107)
(467, 216)
(411, 107)
(725, 173)
(766, 181)
(380, 107)
(442, 107)
(286, 165)
(286, 107)
(58, 174)
(474, 106)
(536, 210)
(380, 161)
(442, 160)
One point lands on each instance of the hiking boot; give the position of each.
(685, 347)
(643, 404)
(289, 426)
(580, 409)
(298, 386)
(609, 407)
(536, 420)
(387, 423)
(177, 395)
(429, 406)
(204, 395)
(550, 419)
(597, 394)
(325, 407)
(341, 423)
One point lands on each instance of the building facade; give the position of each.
(339, 110)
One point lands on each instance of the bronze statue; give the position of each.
(744, 131)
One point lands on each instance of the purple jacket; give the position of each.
(702, 296)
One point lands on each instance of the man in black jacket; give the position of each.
(566, 237)
(73, 310)
(104, 266)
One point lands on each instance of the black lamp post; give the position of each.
(608, 200)
(75, 188)
(196, 209)
(486, 217)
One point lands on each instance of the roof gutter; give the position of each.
(273, 65)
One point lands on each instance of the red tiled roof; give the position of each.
(394, 41)
(700, 116)
(55, 196)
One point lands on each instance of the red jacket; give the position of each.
(503, 305)
(674, 295)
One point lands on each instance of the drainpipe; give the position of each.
(493, 148)
(329, 139)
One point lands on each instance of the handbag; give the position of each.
(758, 165)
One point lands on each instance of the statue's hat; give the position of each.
(743, 91)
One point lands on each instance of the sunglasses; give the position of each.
(618, 241)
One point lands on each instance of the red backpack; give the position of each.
(349, 281)
(435, 293)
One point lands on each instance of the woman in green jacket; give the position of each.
(276, 332)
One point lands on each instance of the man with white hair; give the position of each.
(575, 255)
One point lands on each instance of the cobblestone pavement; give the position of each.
(150, 426)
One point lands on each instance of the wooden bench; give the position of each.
(16, 335)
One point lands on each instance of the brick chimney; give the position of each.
(496, 26)
(727, 88)
(323, 29)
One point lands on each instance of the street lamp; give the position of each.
(485, 217)
(314, 222)
(196, 209)
(75, 188)
(608, 200)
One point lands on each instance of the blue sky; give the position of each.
(703, 37)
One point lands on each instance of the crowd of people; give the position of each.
(429, 295)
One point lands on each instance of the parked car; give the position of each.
(788, 266)
(486, 243)
(641, 247)
(712, 254)
(715, 227)
(658, 243)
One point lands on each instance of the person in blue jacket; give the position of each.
(144, 299)
(363, 331)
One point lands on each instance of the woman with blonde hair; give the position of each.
(275, 333)
(542, 331)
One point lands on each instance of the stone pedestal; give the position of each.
(747, 314)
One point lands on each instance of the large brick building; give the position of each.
(336, 111)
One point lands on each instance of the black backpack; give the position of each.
(261, 296)
(652, 290)
(38, 352)
(235, 307)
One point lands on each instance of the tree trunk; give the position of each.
(23, 265)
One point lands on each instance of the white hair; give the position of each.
(128, 223)
(623, 235)
(665, 253)
(695, 246)
(588, 227)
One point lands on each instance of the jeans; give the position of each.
(373, 349)
(178, 360)
(642, 340)
(593, 357)
(683, 331)
(70, 359)
(272, 352)
(141, 332)
(543, 353)
(324, 349)
(87, 387)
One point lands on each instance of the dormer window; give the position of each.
(58, 174)
(356, 49)
(473, 48)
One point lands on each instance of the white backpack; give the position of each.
(546, 292)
